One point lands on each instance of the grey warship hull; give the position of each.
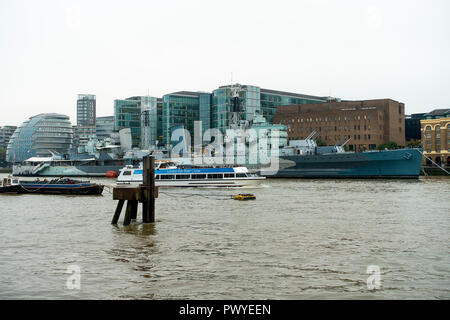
(387, 164)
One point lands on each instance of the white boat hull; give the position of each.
(253, 182)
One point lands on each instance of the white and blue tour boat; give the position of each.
(168, 174)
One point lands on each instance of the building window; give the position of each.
(428, 128)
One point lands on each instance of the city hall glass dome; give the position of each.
(39, 136)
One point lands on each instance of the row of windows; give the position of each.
(336, 138)
(428, 142)
(428, 128)
(194, 176)
(438, 135)
(336, 128)
(328, 119)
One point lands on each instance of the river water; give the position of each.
(300, 239)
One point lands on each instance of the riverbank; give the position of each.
(433, 171)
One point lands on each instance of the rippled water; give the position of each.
(300, 239)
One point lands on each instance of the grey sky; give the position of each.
(52, 50)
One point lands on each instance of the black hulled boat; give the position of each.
(55, 186)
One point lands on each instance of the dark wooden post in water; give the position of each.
(145, 193)
(148, 190)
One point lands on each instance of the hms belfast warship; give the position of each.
(304, 159)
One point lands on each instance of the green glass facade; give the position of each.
(271, 100)
(254, 101)
(127, 114)
(159, 113)
(205, 111)
(221, 106)
(184, 107)
(179, 108)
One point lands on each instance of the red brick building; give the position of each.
(367, 123)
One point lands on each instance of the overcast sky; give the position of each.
(52, 50)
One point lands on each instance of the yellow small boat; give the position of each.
(242, 197)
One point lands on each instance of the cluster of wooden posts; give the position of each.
(145, 194)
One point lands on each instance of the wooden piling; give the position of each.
(145, 193)
(147, 187)
(117, 213)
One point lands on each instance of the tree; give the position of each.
(415, 144)
(390, 145)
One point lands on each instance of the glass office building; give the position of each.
(159, 128)
(222, 105)
(270, 100)
(254, 101)
(205, 110)
(104, 127)
(149, 122)
(180, 108)
(38, 136)
(151, 119)
(86, 110)
(5, 134)
(127, 114)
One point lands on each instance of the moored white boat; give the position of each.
(168, 174)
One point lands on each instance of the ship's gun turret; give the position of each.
(301, 147)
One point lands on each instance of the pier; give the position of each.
(146, 194)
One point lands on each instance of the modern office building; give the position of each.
(86, 110)
(254, 100)
(180, 109)
(159, 128)
(86, 120)
(39, 136)
(127, 114)
(149, 122)
(151, 119)
(104, 127)
(5, 134)
(367, 123)
(82, 134)
(436, 136)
